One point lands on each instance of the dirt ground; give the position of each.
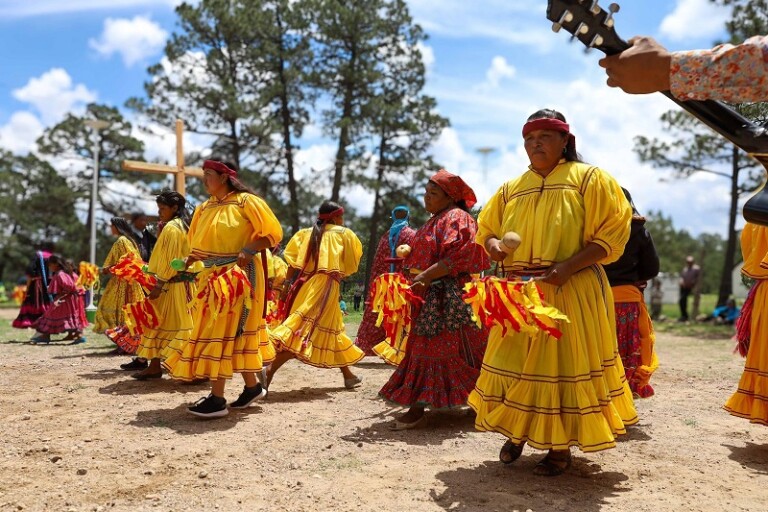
(80, 435)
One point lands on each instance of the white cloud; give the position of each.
(134, 39)
(499, 70)
(427, 55)
(501, 20)
(53, 95)
(694, 19)
(18, 9)
(21, 132)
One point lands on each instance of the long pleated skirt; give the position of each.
(554, 394)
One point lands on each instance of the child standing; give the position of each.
(67, 313)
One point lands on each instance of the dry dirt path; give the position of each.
(80, 435)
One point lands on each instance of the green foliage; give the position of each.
(36, 206)
(674, 245)
(72, 143)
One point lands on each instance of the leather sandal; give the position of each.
(510, 452)
(553, 465)
(147, 376)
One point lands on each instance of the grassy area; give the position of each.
(701, 330)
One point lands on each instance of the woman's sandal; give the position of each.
(510, 452)
(553, 465)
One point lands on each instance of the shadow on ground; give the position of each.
(494, 486)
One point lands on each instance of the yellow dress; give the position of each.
(236, 340)
(172, 306)
(750, 401)
(314, 327)
(551, 393)
(278, 270)
(117, 292)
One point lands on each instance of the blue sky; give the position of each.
(490, 64)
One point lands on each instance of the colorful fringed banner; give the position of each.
(130, 268)
(88, 275)
(222, 290)
(275, 312)
(513, 305)
(140, 316)
(19, 294)
(392, 299)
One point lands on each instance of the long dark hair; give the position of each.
(66, 266)
(313, 249)
(124, 229)
(569, 153)
(235, 183)
(172, 198)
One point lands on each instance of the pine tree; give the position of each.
(36, 205)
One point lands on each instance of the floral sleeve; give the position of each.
(727, 72)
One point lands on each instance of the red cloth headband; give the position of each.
(455, 187)
(330, 215)
(546, 124)
(219, 167)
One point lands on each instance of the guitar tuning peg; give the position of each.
(596, 41)
(613, 8)
(566, 17)
(581, 29)
(594, 8)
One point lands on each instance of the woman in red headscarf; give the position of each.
(445, 347)
(572, 218)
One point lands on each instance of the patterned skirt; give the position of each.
(629, 340)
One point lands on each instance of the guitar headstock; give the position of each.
(588, 23)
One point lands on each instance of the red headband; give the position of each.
(552, 124)
(546, 124)
(455, 187)
(219, 167)
(330, 215)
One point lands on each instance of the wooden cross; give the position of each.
(179, 171)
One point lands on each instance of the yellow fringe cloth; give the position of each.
(131, 268)
(222, 290)
(648, 358)
(140, 316)
(391, 298)
(19, 294)
(512, 304)
(88, 275)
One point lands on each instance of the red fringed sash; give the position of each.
(744, 322)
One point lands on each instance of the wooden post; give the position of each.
(179, 171)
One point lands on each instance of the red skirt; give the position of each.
(628, 335)
(440, 371)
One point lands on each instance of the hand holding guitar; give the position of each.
(637, 66)
(643, 68)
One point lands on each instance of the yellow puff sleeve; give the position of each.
(608, 215)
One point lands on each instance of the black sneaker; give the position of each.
(135, 364)
(248, 396)
(210, 407)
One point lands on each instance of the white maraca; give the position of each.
(510, 241)
(403, 250)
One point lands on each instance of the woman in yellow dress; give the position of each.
(750, 401)
(313, 331)
(172, 294)
(227, 232)
(117, 292)
(572, 217)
